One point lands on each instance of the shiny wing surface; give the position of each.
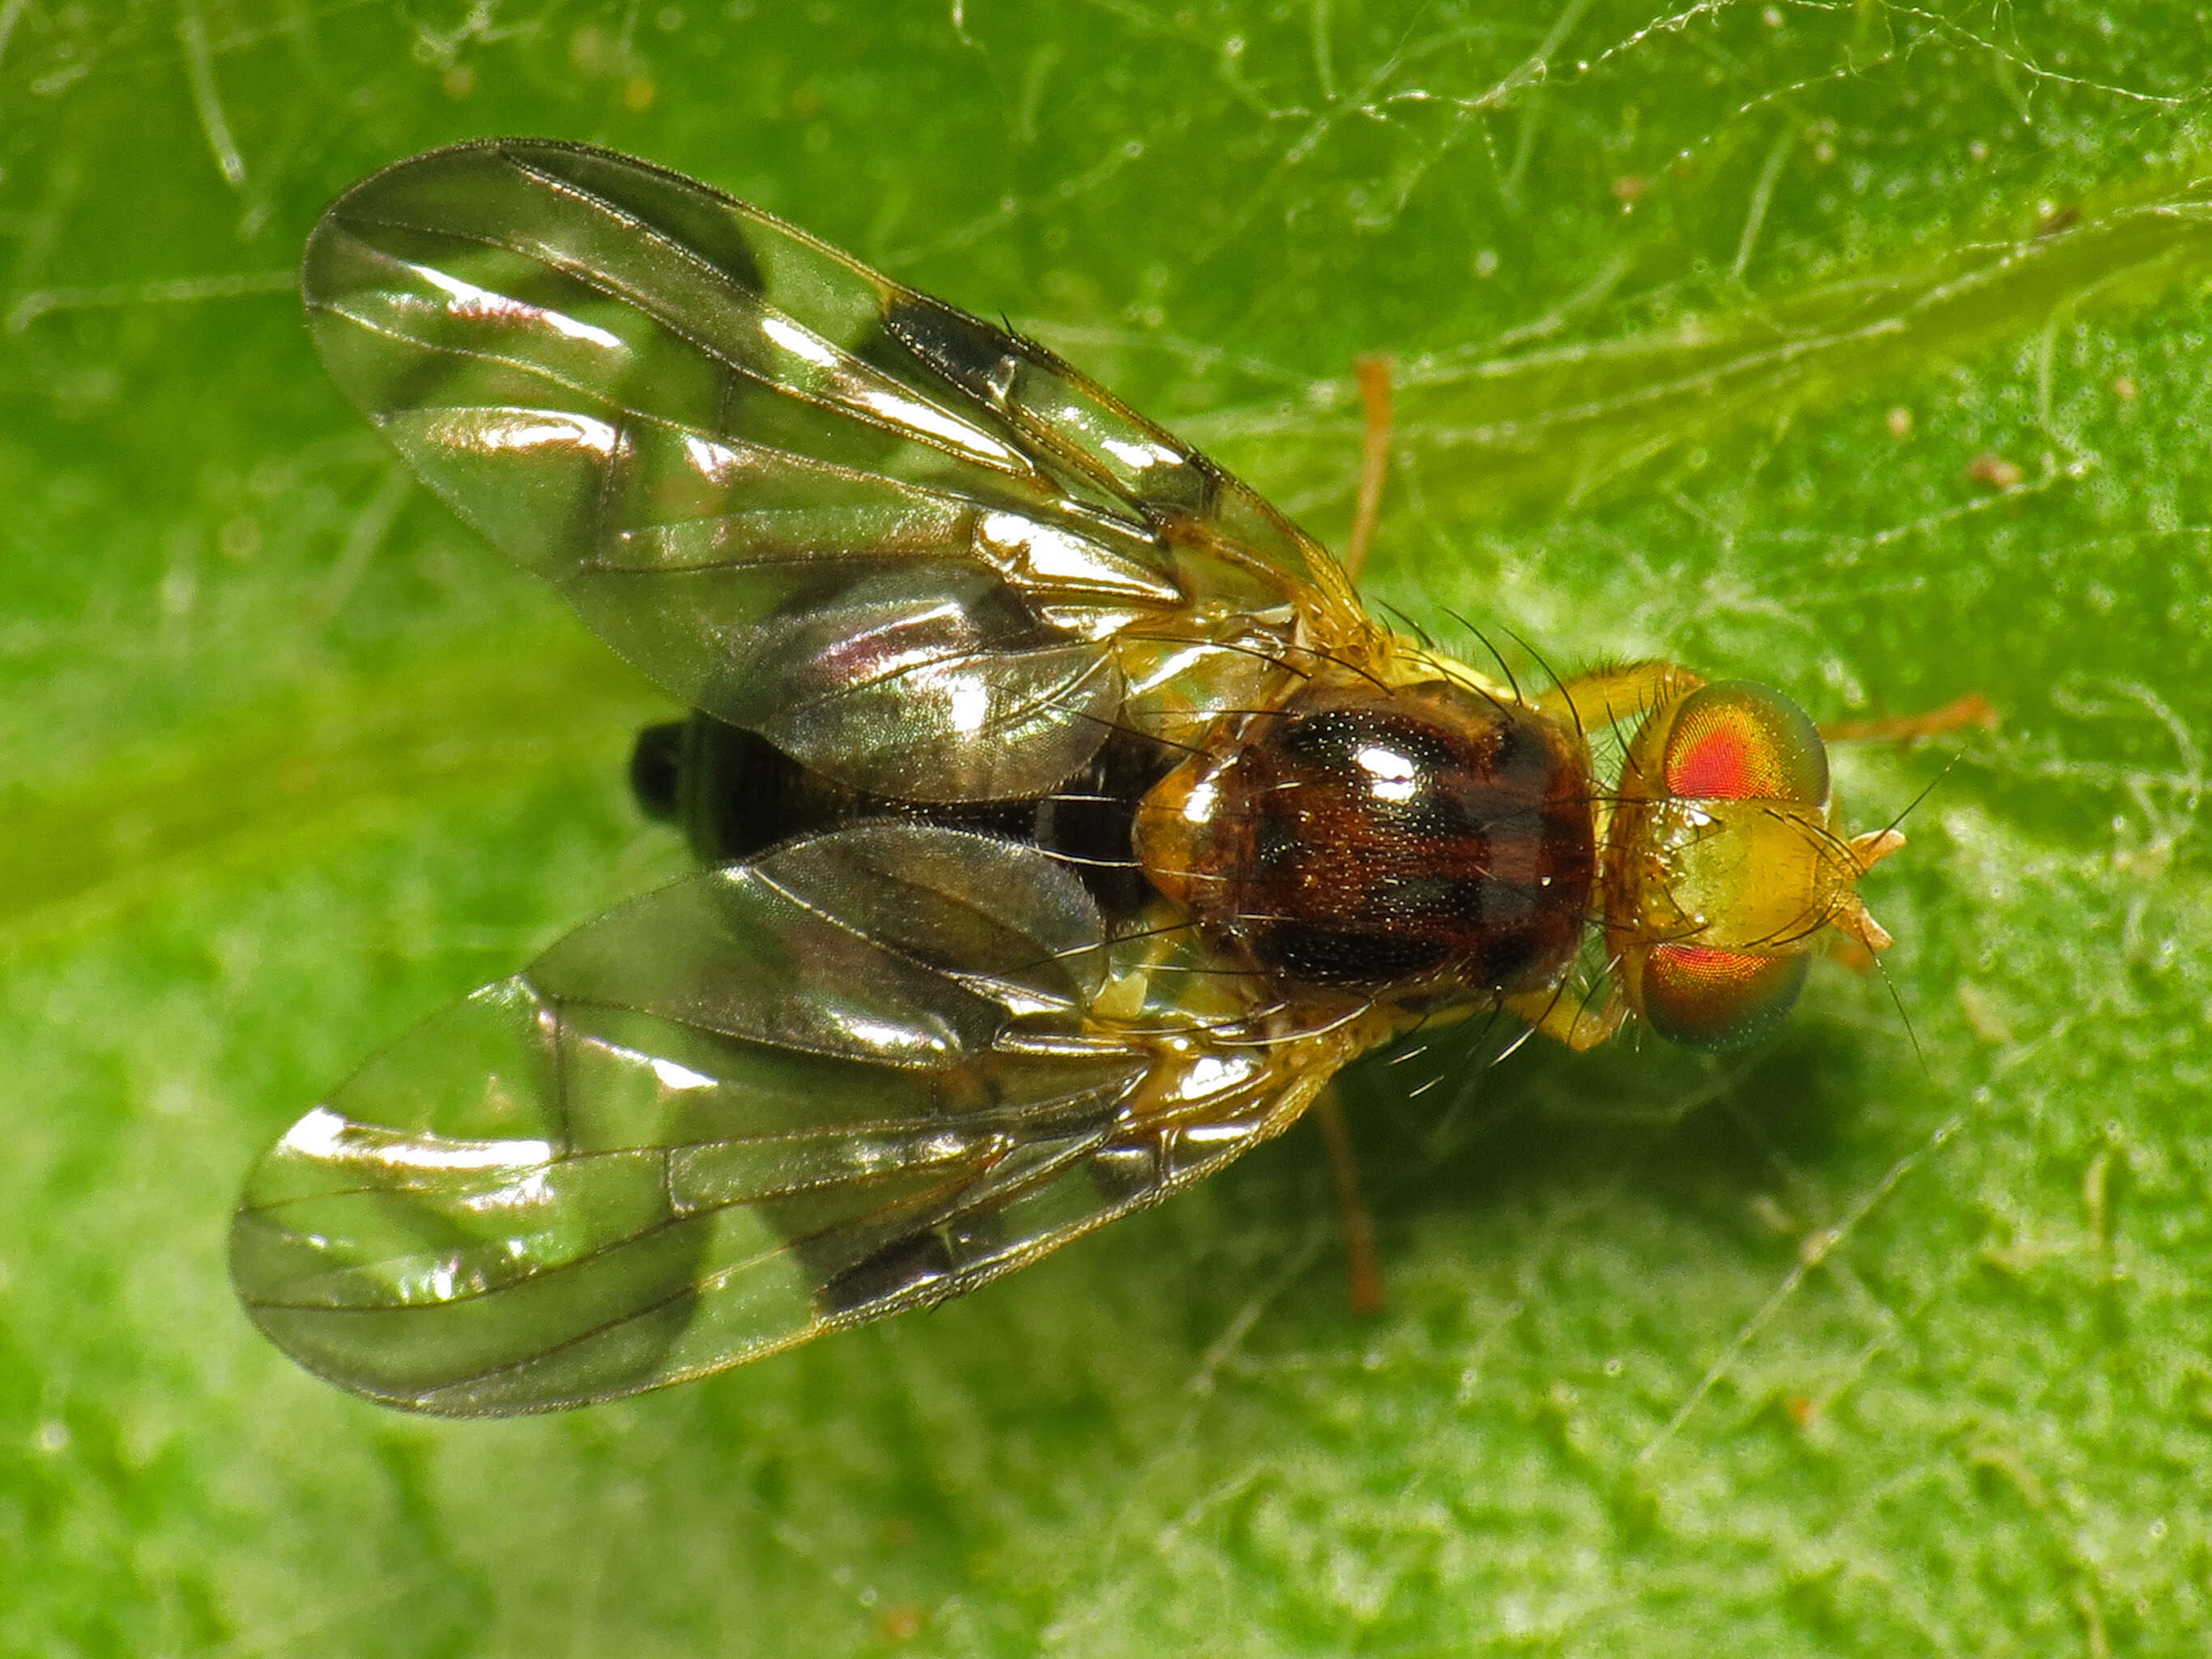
(897, 541)
(772, 1100)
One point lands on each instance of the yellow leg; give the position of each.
(1566, 1018)
(1608, 695)
(1973, 709)
(1373, 375)
(1366, 1279)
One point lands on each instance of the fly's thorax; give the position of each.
(1378, 838)
(1724, 865)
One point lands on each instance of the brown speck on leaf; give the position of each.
(638, 94)
(1628, 189)
(2064, 219)
(1900, 421)
(1991, 468)
(900, 1624)
(2124, 389)
(1801, 1411)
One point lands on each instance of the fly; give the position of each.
(1064, 822)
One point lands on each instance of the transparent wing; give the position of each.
(860, 1075)
(895, 540)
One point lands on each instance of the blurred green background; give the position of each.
(1858, 347)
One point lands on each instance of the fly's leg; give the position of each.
(1366, 1280)
(1373, 375)
(1605, 696)
(1573, 1021)
(1973, 709)
(1134, 962)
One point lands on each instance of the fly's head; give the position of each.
(1726, 867)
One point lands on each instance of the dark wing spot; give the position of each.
(970, 353)
(655, 768)
(896, 1269)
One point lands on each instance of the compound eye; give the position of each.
(1705, 997)
(1735, 740)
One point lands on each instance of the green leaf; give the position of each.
(1856, 347)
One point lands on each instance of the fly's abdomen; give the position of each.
(1373, 839)
(735, 794)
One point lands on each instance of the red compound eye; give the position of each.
(1703, 998)
(1737, 741)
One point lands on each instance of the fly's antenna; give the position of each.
(1913, 805)
(1911, 1035)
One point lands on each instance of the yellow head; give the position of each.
(1724, 866)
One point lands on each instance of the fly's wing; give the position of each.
(897, 541)
(769, 1101)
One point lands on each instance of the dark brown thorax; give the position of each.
(1372, 838)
